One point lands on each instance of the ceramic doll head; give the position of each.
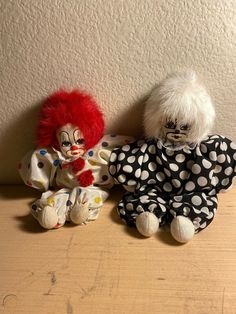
(71, 141)
(70, 122)
(175, 131)
(179, 110)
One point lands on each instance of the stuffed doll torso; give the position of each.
(66, 182)
(46, 168)
(170, 182)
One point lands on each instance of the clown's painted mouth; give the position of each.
(176, 136)
(78, 152)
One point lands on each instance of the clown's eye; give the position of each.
(170, 125)
(66, 144)
(80, 141)
(184, 127)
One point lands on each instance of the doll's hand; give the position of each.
(86, 178)
(80, 212)
(83, 200)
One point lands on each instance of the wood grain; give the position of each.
(104, 267)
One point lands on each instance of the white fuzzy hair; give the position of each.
(180, 96)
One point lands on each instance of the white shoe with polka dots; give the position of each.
(147, 224)
(182, 229)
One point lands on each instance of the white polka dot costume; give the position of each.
(47, 170)
(169, 183)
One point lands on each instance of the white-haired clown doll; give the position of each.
(174, 174)
(71, 162)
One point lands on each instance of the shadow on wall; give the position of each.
(20, 136)
(130, 122)
(17, 139)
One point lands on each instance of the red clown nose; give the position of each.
(74, 147)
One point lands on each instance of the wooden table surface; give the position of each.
(104, 267)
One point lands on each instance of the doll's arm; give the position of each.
(38, 168)
(98, 158)
(125, 164)
(225, 170)
(102, 151)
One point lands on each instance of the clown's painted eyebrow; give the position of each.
(76, 134)
(64, 135)
(169, 119)
(78, 137)
(65, 139)
(185, 127)
(170, 124)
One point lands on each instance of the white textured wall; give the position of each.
(115, 49)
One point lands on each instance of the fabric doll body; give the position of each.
(170, 182)
(48, 170)
(174, 174)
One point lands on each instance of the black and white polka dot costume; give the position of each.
(169, 182)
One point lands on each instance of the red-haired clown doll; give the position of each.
(71, 161)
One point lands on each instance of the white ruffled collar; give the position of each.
(178, 145)
(65, 160)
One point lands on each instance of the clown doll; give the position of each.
(71, 162)
(173, 176)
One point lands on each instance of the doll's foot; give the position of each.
(147, 224)
(79, 213)
(48, 217)
(182, 229)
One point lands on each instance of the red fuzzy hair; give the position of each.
(73, 107)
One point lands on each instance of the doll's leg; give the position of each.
(85, 204)
(191, 213)
(144, 211)
(50, 210)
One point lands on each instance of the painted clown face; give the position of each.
(71, 141)
(175, 131)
